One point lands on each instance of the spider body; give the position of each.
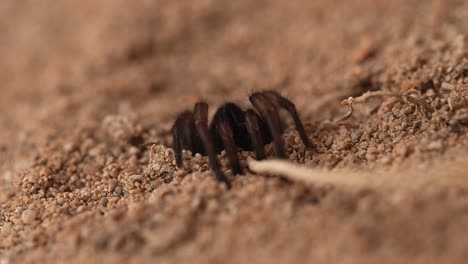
(233, 128)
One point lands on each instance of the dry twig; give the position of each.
(361, 99)
(450, 172)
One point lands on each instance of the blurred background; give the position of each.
(62, 54)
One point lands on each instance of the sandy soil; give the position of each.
(83, 81)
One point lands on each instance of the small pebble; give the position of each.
(118, 190)
(29, 215)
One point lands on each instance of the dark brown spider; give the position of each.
(233, 128)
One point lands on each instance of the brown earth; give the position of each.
(83, 81)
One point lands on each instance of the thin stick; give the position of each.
(360, 99)
(448, 172)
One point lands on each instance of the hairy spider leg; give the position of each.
(223, 125)
(183, 134)
(282, 102)
(254, 127)
(201, 124)
(236, 118)
(271, 117)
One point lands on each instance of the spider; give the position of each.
(233, 128)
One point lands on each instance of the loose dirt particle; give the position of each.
(29, 216)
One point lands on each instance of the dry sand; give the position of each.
(84, 82)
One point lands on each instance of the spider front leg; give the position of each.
(224, 128)
(281, 102)
(270, 115)
(254, 128)
(183, 132)
(236, 118)
(201, 124)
